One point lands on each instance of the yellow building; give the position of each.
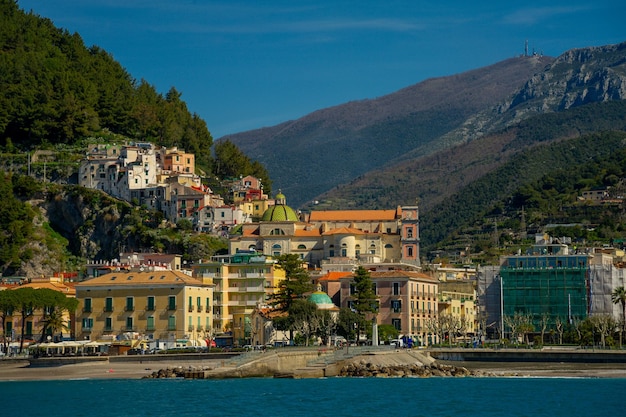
(243, 281)
(457, 300)
(168, 307)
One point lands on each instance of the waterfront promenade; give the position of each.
(316, 362)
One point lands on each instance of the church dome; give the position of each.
(321, 299)
(280, 212)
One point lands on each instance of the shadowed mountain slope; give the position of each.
(311, 155)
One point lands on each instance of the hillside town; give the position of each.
(147, 301)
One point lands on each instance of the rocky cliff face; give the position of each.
(92, 222)
(577, 77)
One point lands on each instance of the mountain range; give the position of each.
(387, 151)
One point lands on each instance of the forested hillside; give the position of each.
(56, 90)
(433, 178)
(60, 95)
(538, 188)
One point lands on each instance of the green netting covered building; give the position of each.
(555, 285)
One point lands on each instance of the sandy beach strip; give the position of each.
(21, 371)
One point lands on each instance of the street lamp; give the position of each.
(501, 309)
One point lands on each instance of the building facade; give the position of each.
(243, 281)
(169, 307)
(407, 300)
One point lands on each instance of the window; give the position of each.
(150, 304)
(87, 307)
(87, 324)
(409, 251)
(29, 328)
(150, 323)
(397, 324)
(396, 306)
(375, 288)
(108, 324)
(171, 323)
(352, 289)
(130, 303)
(409, 232)
(129, 324)
(171, 303)
(351, 305)
(108, 304)
(396, 288)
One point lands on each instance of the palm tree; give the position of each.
(619, 296)
(53, 322)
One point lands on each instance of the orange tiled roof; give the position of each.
(401, 274)
(56, 286)
(353, 215)
(250, 231)
(304, 232)
(147, 278)
(344, 231)
(335, 275)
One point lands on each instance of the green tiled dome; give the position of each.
(320, 298)
(280, 212)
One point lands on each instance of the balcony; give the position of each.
(190, 309)
(150, 328)
(129, 308)
(171, 327)
(86, 329)
(150, 308)
(208, 309)
(200, 328)
(108, 309)
(171, 307)
(86, 309)
(129, 329)
(190, 328)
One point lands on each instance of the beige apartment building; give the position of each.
(243, 281)
(406, 300)
(170, 307)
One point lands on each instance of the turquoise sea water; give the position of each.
(343, 397)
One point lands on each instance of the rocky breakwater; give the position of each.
(195, 372)
(364, 368)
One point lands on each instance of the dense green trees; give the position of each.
(16, 226)
(26, 301)
(56, 90)
(296, 284)
(364, 306)
(231, 162)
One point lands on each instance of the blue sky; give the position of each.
(243, 65)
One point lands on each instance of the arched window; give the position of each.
(344, 250)
(276, 249)
(388, 246)
(301, 246)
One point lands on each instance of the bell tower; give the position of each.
(409, 234)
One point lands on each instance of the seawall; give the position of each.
(529, 355)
